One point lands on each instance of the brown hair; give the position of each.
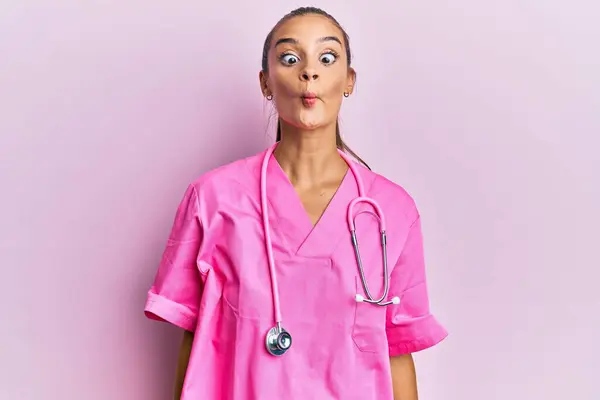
(265, 65)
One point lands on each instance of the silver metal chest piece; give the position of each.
(278, 341)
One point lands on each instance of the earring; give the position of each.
(270, 97)
(346, 94)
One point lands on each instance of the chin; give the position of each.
(310, 122)
(306, 120)
(308, 126)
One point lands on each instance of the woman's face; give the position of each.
(308, 72)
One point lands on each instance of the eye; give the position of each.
(328, 58)
(289, 59)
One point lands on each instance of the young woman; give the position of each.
(279, 297)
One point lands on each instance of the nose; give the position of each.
(308, 76)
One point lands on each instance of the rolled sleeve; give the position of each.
(410, 326)
(174, 296)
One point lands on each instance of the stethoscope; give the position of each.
(278, 340)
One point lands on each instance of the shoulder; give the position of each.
(391, 195)
(227, 180)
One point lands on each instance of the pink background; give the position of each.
(492, 114)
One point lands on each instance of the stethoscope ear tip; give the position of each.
(359, 298)
(396, 300)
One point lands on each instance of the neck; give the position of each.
(309, 158)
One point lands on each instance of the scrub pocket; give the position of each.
(368, 330)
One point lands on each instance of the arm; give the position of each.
(182, 363)
(410, 326)
(404, 380)
(175, 294)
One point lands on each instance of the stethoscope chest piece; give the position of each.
(278, 341)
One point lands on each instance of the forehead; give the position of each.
(307, 28)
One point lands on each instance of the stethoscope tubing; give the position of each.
(275, 333)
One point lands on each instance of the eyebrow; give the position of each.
(321, 40)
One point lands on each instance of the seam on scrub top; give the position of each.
(251, 171)
(423, 340)
(233, 309)
(275, 215)
(184, 266)
(277, 223)
(421, 282)
(170, 240)
(179, 308)
(197, 196)
(408, 195)
(410, 228)
(414, 346)
(412, 203)
(417, 218)
(237, 314)
(177, 242)
(408, 320)
(198, 213)
(179, 305)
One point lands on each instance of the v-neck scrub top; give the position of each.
(214, 280)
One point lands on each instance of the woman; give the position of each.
(260, 268)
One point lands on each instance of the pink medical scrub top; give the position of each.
(214, 280)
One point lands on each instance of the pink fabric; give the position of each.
(214, 280)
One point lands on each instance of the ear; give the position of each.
(264, 88)
(350, 80)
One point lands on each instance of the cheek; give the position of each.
(283, 82)
(332, 87)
